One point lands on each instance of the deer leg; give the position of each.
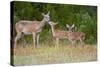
(38, 35)
(18, 36)
(57, 42)
(34, 35)
(23, 40)
(73, 43)
(82, 43)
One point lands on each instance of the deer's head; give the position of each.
(46, 16)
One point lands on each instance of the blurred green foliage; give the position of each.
(84, 17)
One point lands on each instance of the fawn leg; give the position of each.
(34, 35)
(57, 42)
(38, 35)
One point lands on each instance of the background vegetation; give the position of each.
(84, 17)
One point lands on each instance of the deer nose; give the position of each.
(49, 22)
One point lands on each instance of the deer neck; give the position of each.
(53, 30)
(42, 23)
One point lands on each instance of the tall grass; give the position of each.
(29, 55)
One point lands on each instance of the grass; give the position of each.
(29, 55)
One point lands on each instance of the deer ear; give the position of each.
(73, 26)
(43, 14)
(56, 23)
(48, 12)
(67, 25)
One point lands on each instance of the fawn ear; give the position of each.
(73, 26)
(48, 12)
(43, 14)
(56, 23)
(67, 26)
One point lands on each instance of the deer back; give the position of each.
(27, 26)
(76, 35)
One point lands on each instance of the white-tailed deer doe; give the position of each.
(58, 34)
(75, 36)
(31, 27)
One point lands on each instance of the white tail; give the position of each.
(31, 27)
(58, 34)
(75, 36)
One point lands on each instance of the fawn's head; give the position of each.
(70, 27)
